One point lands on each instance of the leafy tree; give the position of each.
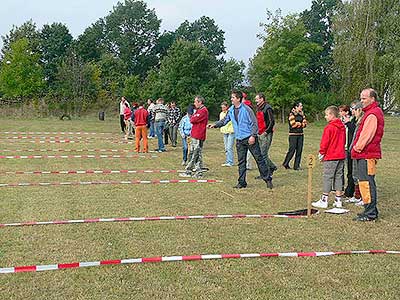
(27, 30)
(78, 84)
(204, 31)
(318, 22)
(367, 49)
(131, 33)
(21, 75)
(90, 44)
(112, 75)
(187, 70)
(55, 40)
(132, 88)
(231, 76)
(279, 66)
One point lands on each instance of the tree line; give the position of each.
(322, 56)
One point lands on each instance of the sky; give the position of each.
(239, 19)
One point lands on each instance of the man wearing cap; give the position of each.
(367, 150)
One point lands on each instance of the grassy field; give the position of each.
(342, 277)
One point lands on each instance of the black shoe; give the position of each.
(364, 219)
(239, 186)
(272, 170)
(298, 169)
(287, 167)
(258, 177)
(269, 184)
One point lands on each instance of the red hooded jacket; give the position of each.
(333, 141)
(199, 122)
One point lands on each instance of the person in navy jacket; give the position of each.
(246, 133)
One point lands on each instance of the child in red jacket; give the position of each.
(332, 154)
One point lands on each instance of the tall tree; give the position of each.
(204, 31)
(55, 40)
(131, 33)
(90, 44)
(187, 70)
(279, 66)
(367, 49)
(318, 22)
(27, 30)
(21, 75)
(231, 75)
(78, 84)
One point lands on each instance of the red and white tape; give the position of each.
(141, 219)
(160, 259)
(158, 181)
(62, 133)
(30, 137)
(90, 172)
(64, 141)
(74, 156)
(69, 150)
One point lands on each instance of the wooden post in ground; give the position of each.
(310, 165)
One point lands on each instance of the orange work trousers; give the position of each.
(141, 133)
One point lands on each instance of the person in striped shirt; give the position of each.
(297, 122)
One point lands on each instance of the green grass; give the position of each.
(343, 277)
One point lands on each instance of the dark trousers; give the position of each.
(166, 135)
(349, 191)
(242, 146)
(122, 122)
(366, 175)
(295, 146)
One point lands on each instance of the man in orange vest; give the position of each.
(366, 150)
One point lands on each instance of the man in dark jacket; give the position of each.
(266, 123)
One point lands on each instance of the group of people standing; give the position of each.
(353, 134)
(357, 139)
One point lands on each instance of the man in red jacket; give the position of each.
(366, 151)
(199, 121)
(332, 154)
(141, 119)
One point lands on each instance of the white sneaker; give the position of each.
(185, 175)
(337, 203)
(183, 163)
(320, 204)
(359, 203)
(353, 200)
(226, 165)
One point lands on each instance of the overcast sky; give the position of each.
(239, 19)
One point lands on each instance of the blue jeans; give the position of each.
(185, 148)
(152, 131)
(159, 127)
(229, 139)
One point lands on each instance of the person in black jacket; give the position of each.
(297, 121)
(266, 123)
(350, 123)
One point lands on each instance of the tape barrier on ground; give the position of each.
(141, 219)
(71, 172)
(69, 150)
(160, 259)
(75, 156)
(62, 133)
(30, 137)
(65, 141)
(24, 184)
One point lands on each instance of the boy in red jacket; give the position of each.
(332, 154)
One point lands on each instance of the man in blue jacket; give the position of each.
(246, 133)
